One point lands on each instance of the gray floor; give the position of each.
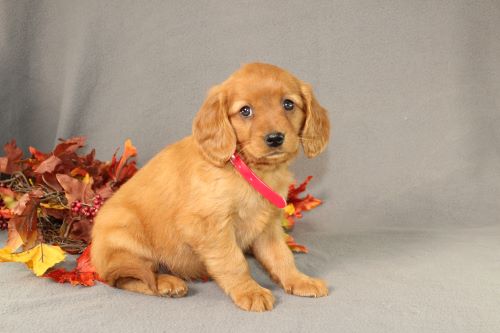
(391, 275)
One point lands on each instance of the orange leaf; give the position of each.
(301, 204)
(38, 155)
(5, 213)
(293, 192)
(130, 151)
(78, 172)
(305, 204)
(294, 246)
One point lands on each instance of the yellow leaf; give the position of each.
(38, 259)
(289, 209)
(52, 205)
(87, 179)
(10, 202)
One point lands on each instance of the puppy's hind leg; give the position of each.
(166, 286)
(138, 275)
(129, 272)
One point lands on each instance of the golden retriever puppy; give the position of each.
(190, 211)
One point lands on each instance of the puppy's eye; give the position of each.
(246, 111)
(288, 105)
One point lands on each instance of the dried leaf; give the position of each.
(25, 219)
(84, 274)
(105, 191)
(287, 221)
(293, 192)
(78, 171)
(52, 205)
(21, 204)
(69, 145)
(5, 213)
(130, 151)
(50, 180)
(299, 204)
(37, 155)
(14, 240)
(75, 189)
(9, 163)
(305, 204)
(294, 246)
(48, 165)
(38, 259)
(5, 192)
(123, 169)
(81, 229)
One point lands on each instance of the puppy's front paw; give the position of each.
(256, 299)
(304, 285)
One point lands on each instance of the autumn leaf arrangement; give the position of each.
(48, 202)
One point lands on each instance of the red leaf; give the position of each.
(294, 246)
(9, 163)
(69, 145)
(7, 192)
(5, 213)
(84, 274)
(48, 165)
(294, 192)
(38, 155)
(122, 170)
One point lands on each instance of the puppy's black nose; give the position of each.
(274, 139)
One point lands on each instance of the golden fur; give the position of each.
(188, 209)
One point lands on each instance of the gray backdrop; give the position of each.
(409, 236)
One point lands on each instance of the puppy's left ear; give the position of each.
(316, 130)
(212, 130)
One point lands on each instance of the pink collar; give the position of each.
(256, 182)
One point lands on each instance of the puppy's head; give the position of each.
(264, 113)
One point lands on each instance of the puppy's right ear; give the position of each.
(212, 130)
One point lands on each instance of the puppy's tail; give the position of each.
(140, 273)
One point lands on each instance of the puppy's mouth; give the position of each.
(274, 154)
(274, 157)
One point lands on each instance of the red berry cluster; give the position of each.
(87, 210)
(3, 223)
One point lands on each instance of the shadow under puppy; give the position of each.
(189, 210)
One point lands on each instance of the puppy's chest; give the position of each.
(253, 212)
